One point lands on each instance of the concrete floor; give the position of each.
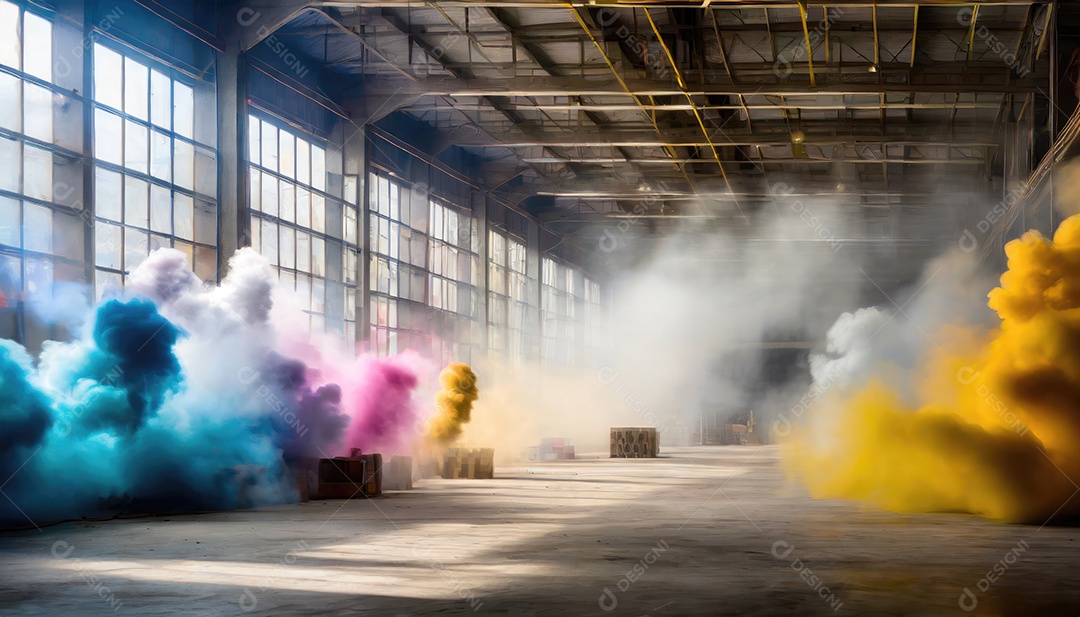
(708, 529)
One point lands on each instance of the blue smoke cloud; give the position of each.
(111, 422)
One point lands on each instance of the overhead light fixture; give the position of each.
(798, 150)
(873, 68)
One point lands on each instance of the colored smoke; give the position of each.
(453, 404)
(986, 421)
(178, 396)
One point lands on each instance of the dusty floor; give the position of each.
(710, 531)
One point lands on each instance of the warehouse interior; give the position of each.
(525, 307)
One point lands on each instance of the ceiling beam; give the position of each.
(637, 88)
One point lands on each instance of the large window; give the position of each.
(557, 312)
(423, 272)
(155, 174)
(41, 218)
(508, 298)
(454, 266)
(398, 228)
(308, 233)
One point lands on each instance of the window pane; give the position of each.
(350, 227)
(10, 219)
(136, 89)
(255, 189)
(160, 209)
(256, 234)
(9, 34)
(160, 99)
(318, 295)
(136, 202)
(136, 147)
(37, 228)
(287, 150)
(183, 216)
(107, 130)
(160, 156)
(38, 112)
(37, 43)
(286, 201)
(136, 248)
(206, 223)
(303, 207)
(318, 256)
(37, 173)
(350, 190)
(107, 245)
(159, 242)
(303, 161)
(183, 110)
(10, 171)
(270, 242)
(186, 249)
(303, 251)
(269, 195)
(318, 213)
(318, 168)
(10, 101)
(205, 172)
(206, 263)
(287, 247)
(107, 283)
(183, 164)
(107, 194)
(108, 68)
(303, 291)
(254, 154)
(269, 146)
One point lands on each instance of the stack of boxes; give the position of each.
(634, 442)
(471, 463)
(552, 449)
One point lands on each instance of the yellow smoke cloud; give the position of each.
(996, 433)
(453, 404)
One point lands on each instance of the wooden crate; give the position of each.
(342, 477)
(634, 442)
(470, 463)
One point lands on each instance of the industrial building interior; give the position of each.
(526, 307)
